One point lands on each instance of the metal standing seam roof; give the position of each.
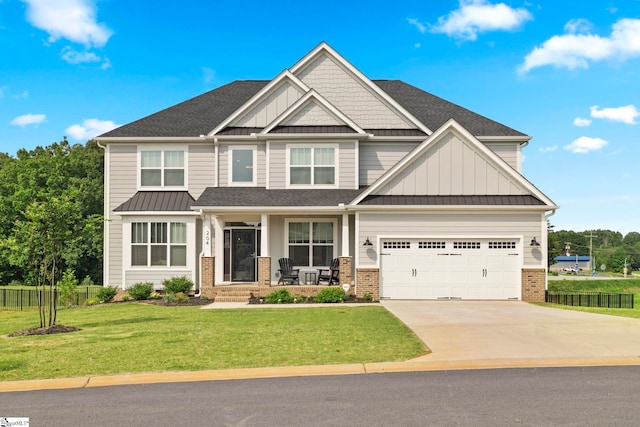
(260, 196)
(157, 201)
(200, 115)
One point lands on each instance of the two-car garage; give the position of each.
(450, 268)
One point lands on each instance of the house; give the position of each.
(570, 262)
(419, 198)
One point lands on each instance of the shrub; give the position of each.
(281, 296)
(67, 288)
(176, 285)
(107, 294)
(126, 297)
(87, 281)
(367, 297)
(155, 295)
(92, 301)
(181, 298)
(331, 295)
(140, 290)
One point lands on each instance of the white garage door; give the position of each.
(450, 268)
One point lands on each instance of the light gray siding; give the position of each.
(155, 276)
(123, 175)
(452, 166)
(508, 152)
(270, 107)
(349, 95)
(224, 151)
(512, 224)
(378, 157)
(201, 168)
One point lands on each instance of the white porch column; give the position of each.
(207, 235)
(264, 235)
(345, 235)
(218, 248)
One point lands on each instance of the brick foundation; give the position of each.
(368, 282)
(533, 284)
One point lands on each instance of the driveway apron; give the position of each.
(472, 330)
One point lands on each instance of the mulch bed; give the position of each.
(352, 300)
(55, 329)
(192, 301)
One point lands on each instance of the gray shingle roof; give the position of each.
(157, 201)
(252, 196)
(523, 200)
(200, 115)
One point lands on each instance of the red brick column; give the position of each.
(533, 284)
(264, 271)
(207, 276)
(368, 282)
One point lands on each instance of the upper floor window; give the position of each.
(162, 168)
(242, 166)
(312, 166)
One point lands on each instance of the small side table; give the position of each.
(310, 277)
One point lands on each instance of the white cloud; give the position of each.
(585, 144)
(479, 16)
(73, 20)
(576, 50)
(548, 149)
(578, 26)
(73, 56)
(580, 122)
(626, 114)
(419, 25)
(90, 128)
(28, 119)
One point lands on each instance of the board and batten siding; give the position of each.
(201, 168)
(270, 107)
(510, 153)
(451, 167)
(378, 157)
(465, 225)
(123, 178)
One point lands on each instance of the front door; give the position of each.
(243, 256)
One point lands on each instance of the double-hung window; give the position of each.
(311, 243)
(158, 244)
(314, 166)
(162, 168)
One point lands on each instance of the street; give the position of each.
(598, 396)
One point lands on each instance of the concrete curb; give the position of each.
(300, 371)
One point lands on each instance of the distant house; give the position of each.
(417, 197)
(570, 261)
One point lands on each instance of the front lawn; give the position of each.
(616, 286)
(136, 337)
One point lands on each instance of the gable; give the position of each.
(452, 162)
(451, 166)
(312, 114)
(348, 93)
(270, 106)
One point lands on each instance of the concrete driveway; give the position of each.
(514, 331)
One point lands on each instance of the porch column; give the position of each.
(218, 247)
(206, 236)
(264, 235)
(345, 235)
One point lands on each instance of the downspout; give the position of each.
(199, 284)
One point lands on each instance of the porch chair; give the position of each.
(287, 272)
(331, 275)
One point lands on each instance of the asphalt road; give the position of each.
(595, 396)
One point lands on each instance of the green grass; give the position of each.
(133, 337)
(618, 286)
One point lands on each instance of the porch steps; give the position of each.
(235, 293)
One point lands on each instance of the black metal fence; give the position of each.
(12, 299)
(591, 299)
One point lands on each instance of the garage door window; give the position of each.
(396, 245)
(431, 245)
(502, 245)
(466, 245)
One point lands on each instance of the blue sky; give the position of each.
(567, 73)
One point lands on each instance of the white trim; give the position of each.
(345, 235)
(150, 139)
(254, 150)
(156, 213)
(218, 248)
(313, 146)
(162, 148)
(452, 126)
(106, 236)
(323, 47)
(258, 97)
(216, 175)
(311, 220)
